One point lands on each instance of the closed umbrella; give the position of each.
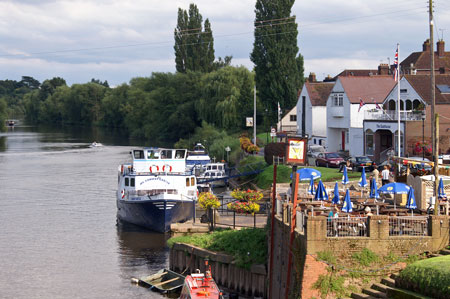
(441, 191)
(373, 190)
(335, 199)
(312, 189)
(411, 201)
(321, 192)
(362, 180)
(347, 207)
(345, 176)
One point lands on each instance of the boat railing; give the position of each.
(152, 192)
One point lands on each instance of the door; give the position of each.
(343, 140)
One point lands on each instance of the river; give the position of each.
(59, 237)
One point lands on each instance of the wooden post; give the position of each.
(291, 239)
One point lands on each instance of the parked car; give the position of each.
(329, 160)
(315, 150)
(357, 163)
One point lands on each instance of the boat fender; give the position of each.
(164, 168)
(121, 169)
(123, 193)
(157, 168)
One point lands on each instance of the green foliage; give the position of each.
(3, 115)
(247, 246)
(366, 257)
(330, 283)
(327, 256)
(278, 69)
(430, 276)
(194, 47)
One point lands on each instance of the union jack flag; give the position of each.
(361, 103)
(396, 65)
(378, 107)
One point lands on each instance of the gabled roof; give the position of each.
(421, 61)
(356, 73)
(319, 92)
(371, 89)
(421, 84)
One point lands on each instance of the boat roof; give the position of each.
(201, 287)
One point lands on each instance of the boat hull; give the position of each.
(156, 215)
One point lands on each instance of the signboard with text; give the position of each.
(249, 121)
(296, 150)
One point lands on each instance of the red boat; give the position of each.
(200, 285)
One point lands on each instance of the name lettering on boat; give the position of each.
(155, 179)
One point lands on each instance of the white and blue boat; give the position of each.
(155, 190)
(197, 159)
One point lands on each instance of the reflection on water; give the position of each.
(59, 237)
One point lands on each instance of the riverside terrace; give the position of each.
(383, 234)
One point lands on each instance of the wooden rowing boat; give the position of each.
(163, 281)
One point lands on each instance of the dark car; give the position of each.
(329, 159)
(357, 163)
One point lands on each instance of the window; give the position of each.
(408, 104)
(314, 140)
(416, 104)
(320, 141)
(369, 142)
(403, 90)
(392, 105)
(293, 117)
(192, 181)
(187, 182)
(127, 182)
(132, 182)
(138, 154)
(338, 99)
(166, 154)
(151, 154)
(179, 154)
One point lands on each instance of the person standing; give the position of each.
(385, 175)
(376, 175)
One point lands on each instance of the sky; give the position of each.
(117, 40)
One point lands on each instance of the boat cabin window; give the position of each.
(152, 155)
(187, 182)
(179, 154)
(132, 182)
(138, 154)
(192, 181)
(127, 182)
(220, 167)
(166, 154)
(214, 167)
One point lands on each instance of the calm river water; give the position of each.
(58, 232)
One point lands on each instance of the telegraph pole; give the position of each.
(434, 118)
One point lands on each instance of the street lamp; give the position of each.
(228, 149)
(423, 134)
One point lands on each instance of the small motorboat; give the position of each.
(200, 285)
(163, 281)
(95, 144)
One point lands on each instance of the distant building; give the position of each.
(312, 110)
(419, 63)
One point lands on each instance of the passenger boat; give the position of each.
(164, 281)
(197, 159)
(200, 285)
(154, 190)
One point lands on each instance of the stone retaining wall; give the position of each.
(246, 282)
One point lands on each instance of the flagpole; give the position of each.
(398, 106)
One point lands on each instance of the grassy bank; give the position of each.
(429, 277)
(247, 246)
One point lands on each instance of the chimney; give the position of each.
(383, 69)
(440, 48)
(312, 77)
(426, 46)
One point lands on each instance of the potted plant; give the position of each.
(209, 202)
(246, 201)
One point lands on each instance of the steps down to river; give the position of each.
(386, 287)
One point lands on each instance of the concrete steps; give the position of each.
(374, 293)
(388, 282)
(361, 296)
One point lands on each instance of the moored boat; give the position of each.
(197, 158)
(164, 281)
(155, 190)
(200, 285)
(214, 175)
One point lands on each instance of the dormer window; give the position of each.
(338, 99)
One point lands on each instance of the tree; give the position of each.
(278, 69)
(194, 47)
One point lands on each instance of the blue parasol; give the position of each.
(373, 190)
(441, 191)
(347, 207)
(321, 192)
(394, 188)
(411, 202)
(362, 180)
(312, 189)
(335, 199)
(308, 173)
(345, 180)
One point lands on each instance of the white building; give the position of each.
(288, 122)
(312, 111)
(348, 100)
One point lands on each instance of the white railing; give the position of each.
(391, 115)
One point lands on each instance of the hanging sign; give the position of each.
(249, 121)
(296, 150)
